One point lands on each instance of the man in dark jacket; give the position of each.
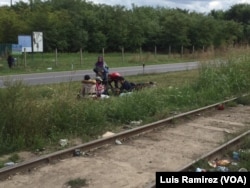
(10, 61)
(126, 86)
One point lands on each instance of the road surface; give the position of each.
(66, 76)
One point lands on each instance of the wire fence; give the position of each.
(83, 60)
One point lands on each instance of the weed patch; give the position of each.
(77, 183)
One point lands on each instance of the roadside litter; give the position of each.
(135, 122)
(243, 170)
(63, 142)
(200, 170)
(226, 165)
(9, 164)
(221, 107)
(77, 153)
(236, 156)
(107, 134)
(222, 169)
(118, 142)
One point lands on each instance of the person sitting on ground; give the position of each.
(88, 86)
(101, 68)
(100, 88)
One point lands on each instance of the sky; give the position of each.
(201, 6)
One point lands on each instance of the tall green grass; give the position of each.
(38, 116)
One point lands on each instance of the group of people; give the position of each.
(93, 87)
(106, 82)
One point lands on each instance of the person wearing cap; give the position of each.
(88, 86)
(113, 80)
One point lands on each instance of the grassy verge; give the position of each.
(40, 62)
(37, 63)
(39, 116)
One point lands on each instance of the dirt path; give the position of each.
(133, 163)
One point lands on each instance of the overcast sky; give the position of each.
(202, 6)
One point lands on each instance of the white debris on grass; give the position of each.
(135, 122)
(63, 142)
(107, 134)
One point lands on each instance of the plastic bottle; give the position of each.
(236, 156)
(222, 169)
(200, 170)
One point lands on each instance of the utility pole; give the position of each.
(11, 3)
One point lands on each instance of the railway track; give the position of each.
(217, 153)
(172, 144)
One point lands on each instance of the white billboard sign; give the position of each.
(37, 41)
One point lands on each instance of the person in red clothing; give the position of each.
(113, 79)
(100, 88)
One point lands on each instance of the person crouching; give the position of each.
(100, 88)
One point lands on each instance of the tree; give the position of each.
(201, 31)
(10, 25)
(174, 30)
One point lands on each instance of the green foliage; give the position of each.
(14, 158)
(224, 78)
(39, 116)
(129, 107)
(245, 100)
(232, 104)
(70, 25)
(77, 183)
(37, 63)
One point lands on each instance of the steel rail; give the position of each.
(27, 166)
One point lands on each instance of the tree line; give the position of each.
(70, 25)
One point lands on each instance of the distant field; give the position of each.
(42, 62)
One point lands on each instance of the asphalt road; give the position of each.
(66, 76)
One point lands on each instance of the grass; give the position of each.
(39, 116)
(77, 183)
(15, 158)
(37, 63)
(40, 62)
